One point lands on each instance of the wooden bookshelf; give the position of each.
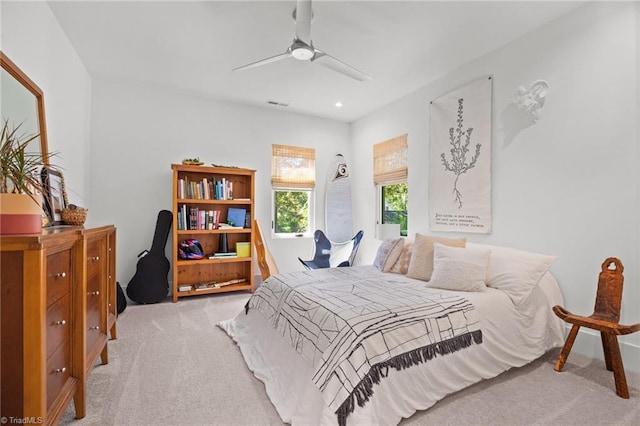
(212, 190)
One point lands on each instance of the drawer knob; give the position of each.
(61, 275)
(60, 370)
(95, 258)
(97, 327)
(94, 293)
(61, 322)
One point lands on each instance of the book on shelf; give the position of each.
(236, 216)
(185, 287)
(194, 218)
(219, 255)
(205, 189)
(227, 226)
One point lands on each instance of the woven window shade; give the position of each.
(390, 161)
(293, 167)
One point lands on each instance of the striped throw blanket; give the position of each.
(353, 324)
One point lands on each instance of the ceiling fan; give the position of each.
(302, 48)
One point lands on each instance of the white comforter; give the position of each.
(512, 336)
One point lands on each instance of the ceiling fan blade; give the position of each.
(330, 62)
(265, 61)
(303, 20)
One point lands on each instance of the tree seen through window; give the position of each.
(291, 211)
(394, 205)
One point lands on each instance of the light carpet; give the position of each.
(171, 365)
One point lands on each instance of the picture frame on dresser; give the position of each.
(55, 195)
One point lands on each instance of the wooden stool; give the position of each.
(605, 318)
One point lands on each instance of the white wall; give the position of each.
(48, 58)
(138, 132)
(568, 185)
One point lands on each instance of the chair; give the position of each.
(329, 254)
(266, 262)
(605, 318)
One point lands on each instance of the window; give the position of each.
(292, 210)
(394, 205)
(293, 179)
(390, 177)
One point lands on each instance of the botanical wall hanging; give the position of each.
(460, 159)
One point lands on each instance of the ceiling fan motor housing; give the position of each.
(301, 50)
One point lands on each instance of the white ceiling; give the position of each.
(192, 46)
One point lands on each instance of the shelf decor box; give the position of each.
(243, 249)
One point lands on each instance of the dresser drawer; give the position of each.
(58, 275)
(95, 258)
(93, 286)
(58, 370)
(58, 323)
(93, 322)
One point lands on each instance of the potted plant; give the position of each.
(20, 185)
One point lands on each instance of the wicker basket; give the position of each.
(75, 216)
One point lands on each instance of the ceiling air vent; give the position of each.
(280, 104)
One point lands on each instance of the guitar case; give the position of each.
(120, 299)
(150, 283)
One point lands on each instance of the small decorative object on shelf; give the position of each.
(192, 161)
(74, 215)
(223, 246)
(214, 285)
(243, 249)
(205, 201)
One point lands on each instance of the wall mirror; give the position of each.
(22, 103)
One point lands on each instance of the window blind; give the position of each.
(390, 161)
(293, 167)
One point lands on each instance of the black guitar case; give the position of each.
(120, 299)
(150, 283)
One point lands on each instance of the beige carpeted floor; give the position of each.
(171, 365)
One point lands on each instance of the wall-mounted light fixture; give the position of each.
(532, 99)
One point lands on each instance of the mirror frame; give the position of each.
(9, 66)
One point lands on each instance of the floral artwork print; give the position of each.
(460, 159)
(458, 164)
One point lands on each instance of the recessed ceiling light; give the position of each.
(338, 104)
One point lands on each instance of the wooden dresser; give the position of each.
(58, 301)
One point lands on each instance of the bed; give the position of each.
(365, 346)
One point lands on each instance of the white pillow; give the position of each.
(515, 272)
(460, 269)
(388, 254)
